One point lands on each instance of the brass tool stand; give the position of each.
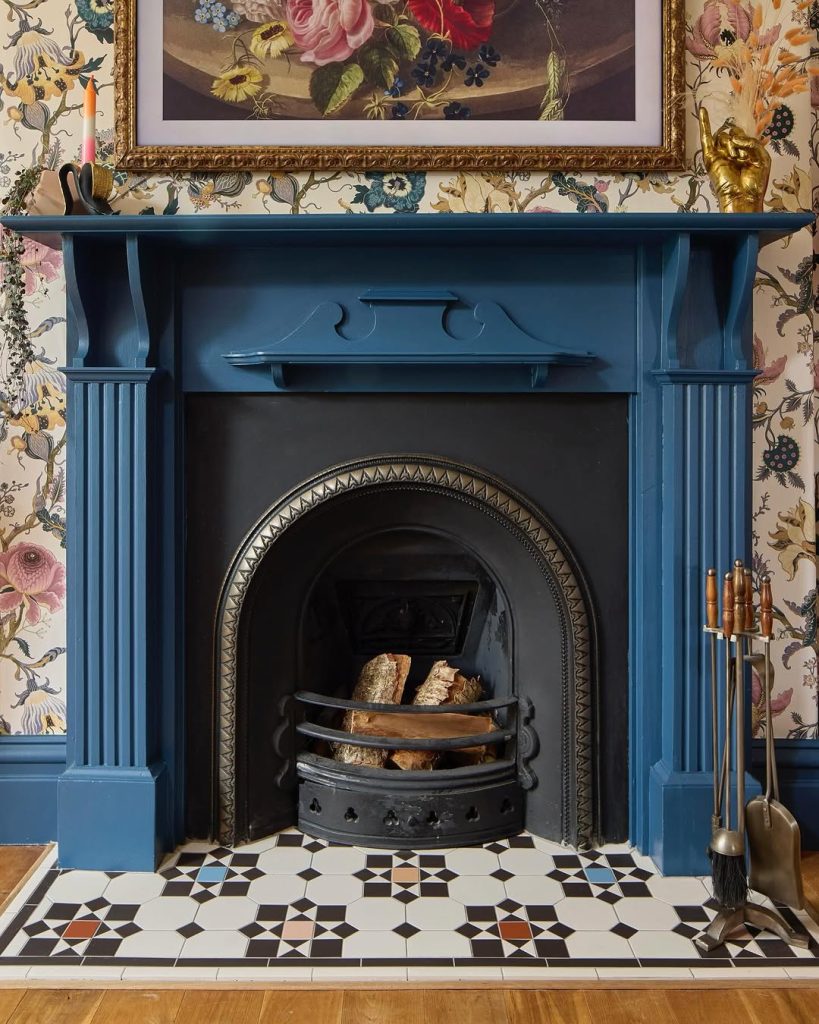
(737, 630)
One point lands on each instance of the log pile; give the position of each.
(382, 681)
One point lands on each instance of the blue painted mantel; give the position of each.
(653, 306)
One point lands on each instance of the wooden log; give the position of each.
(444, 685)
(381, 681)
(421, 726)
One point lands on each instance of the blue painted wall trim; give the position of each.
(30, 767)
(798, 768)
(657, 305)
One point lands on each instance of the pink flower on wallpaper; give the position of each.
(32, 577)
(720, 23)
(329, 30)
(39, 264)
(770, 372)
(779, 702)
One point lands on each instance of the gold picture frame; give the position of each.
(135, 155)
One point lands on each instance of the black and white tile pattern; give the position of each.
(295, 907)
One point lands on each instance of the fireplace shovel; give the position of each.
(773, 832)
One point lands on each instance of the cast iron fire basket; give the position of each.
(380, 807)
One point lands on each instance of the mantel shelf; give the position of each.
(410, 229)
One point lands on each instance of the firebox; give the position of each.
(437, 557)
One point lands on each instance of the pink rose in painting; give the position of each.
(329, 30)
(259, 11)
(30, 576)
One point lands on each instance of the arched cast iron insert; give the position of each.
(540, 538)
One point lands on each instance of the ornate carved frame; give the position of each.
(669, 155)
(542, 540)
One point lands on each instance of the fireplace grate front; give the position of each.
(382, 807)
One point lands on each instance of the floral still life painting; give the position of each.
(513, 73)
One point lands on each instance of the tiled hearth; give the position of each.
(292, 907)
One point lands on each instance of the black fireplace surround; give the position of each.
(325, 529)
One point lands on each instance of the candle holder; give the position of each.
(93, 183)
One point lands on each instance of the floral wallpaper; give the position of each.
(49, 49)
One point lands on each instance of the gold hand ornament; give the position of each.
(738, 166)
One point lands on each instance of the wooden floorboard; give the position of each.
(223, 1007)
(651, 1006)
(47, 1006)
(385, 1006)
(9, 998)
(527, 1006)
(143, 1007)
(302, 1007)
(15, 863)
(470, 1006)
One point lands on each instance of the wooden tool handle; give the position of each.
(749, 599)
(765, 607)
(711, 608)
(739, 597)
(728, 605)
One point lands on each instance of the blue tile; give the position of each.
(211, 873)
(599, 876)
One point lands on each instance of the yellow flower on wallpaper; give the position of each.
(477, 193)
(272, 39)
(237, 84)
(43, 69)
(795, 537)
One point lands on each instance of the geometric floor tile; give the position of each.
(292, 903)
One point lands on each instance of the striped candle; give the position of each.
(89, 124)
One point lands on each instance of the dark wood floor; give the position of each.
(600, 1003)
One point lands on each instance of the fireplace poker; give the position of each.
(711, 620)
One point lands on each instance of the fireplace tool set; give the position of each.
(771, 831)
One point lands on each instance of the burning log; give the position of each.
(381, 681)
(443, 685)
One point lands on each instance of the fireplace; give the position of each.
(490, 436)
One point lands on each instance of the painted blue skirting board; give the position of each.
(798, 769)
(654, 306)
(30, 767)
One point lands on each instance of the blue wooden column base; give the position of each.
(113, 819)
(680, 805)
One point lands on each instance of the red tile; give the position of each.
(515, 930)
(81, 930)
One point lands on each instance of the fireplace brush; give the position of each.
(727, 846)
